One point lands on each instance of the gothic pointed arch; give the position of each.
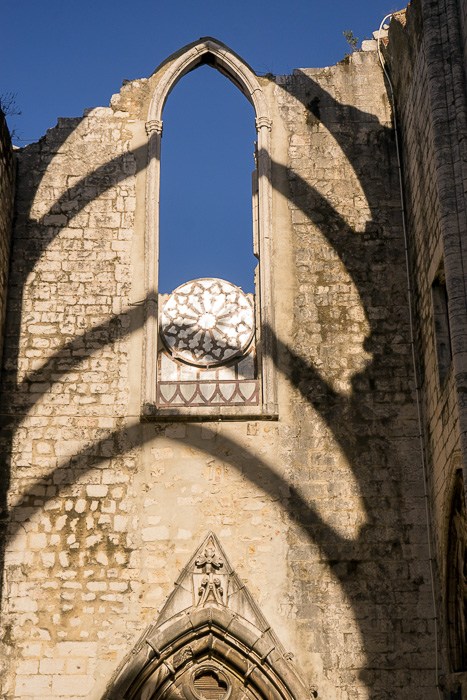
(210, 642)
(216, 54)
(209, 51)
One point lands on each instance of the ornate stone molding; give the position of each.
(221, 639)
(207, 322)
(154, 126)
(263, 122)
(226, 61)
(211, 586)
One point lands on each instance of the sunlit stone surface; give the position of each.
(207, 322)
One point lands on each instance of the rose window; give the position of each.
(207, 322)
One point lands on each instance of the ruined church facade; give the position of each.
(211, 493)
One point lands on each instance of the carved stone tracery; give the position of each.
(209, 682)
(207, 322)
(213, 646)
(211, 585)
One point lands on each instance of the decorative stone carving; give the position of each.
(183, 657)
(207, 322)
(261, 122)
(216, 648)
(209, 561)
(154, 126)
(209, 682)
(210, 580)
(211, 585)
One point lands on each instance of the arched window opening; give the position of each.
(457, 578)
(207, 355)
(207, 156)
(208, 345)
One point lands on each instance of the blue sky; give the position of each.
(61, 58)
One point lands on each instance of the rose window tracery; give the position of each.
(207, 322)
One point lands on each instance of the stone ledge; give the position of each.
(211, 413)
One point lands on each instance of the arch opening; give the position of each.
(167, 391)
(208, 647)
(214, 656)
(206, 192)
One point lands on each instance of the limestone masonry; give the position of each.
(197, 504)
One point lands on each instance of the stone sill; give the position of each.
(208, 413)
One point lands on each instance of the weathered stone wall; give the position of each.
(424, 225)
(426, 59)
(7, 196)
(65, 388)
(320, 512)
(461, 9)
(353, 372)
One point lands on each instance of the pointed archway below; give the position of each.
(210, 642)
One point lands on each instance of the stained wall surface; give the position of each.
(426, 55)
(321, 512)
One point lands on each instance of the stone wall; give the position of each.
(7, 195)
(65, 387)
(426, 60)
(352, 369)
(320, 512)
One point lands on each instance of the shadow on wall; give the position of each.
(370, 426)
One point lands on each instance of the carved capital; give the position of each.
(261, 122)
(154, 126)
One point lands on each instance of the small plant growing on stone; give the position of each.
(351, 40)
